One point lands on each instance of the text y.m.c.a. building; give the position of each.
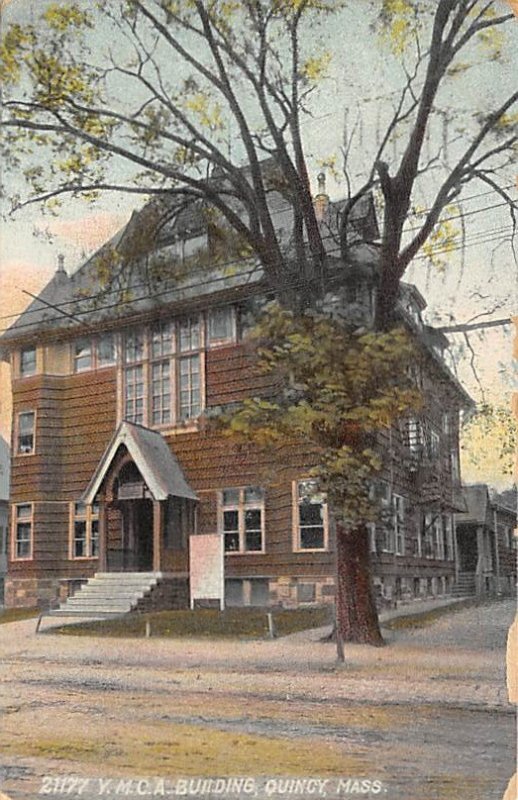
(116, 467)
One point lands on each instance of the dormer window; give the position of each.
(27, 361)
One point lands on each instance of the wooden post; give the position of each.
(103, 543)
(157, 535)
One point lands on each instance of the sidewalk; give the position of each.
(421, 607)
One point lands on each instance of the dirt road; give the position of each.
(425, 718)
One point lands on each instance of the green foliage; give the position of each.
(489, 444)
(398, 19)
(338, 389)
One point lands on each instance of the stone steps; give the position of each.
(109, 594)
(465, 585)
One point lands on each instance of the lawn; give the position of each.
(233, 623)
(17, 614)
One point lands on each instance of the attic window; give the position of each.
(27, 361)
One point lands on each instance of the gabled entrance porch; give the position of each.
(147, 510)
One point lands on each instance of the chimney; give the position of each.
(321, 201)
(61, 273)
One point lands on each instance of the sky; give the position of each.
(359, 99)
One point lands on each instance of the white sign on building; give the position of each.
(207, 576)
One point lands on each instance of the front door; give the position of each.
(143, 535)
(130, 537)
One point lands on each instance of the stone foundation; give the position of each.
(39, 592)
(390, 589)
(31, 592)
(169, 593)
(295, 592)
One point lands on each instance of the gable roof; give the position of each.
(156, 463)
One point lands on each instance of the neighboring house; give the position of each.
(4, 516)
(116, 464)
(485, 544)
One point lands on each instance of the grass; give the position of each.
(233, 623)
(17, 614)
(170, 750)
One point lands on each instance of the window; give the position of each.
(22, 542)
(27, 361)
(414, 435)
(371, 530)
(438, 537)
(162, 373)
(454, 466)
(106, 350)
(311, 530)
(83, 355)
(446, 423)
(134, 395)
(398, 523)
(241, 519)
(189, 334)
(85, 530)
(427, 535)
(25, 435)
(434, 443)
(189, 404)
(134, 346)
(94, 353)
(221, 325)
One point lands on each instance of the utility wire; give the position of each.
(446, 249)
(172, 290)
(333, 251)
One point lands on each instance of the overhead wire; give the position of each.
(227, 264)
(490, 237)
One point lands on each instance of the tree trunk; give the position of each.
(356, 612)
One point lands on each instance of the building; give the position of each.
(4, 515)
(117, 467)
(486, 545)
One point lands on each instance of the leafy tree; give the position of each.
(342, 388)
(489, 444)
(155, 115)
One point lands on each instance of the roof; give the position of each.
(477, 502)
(480, 506)
(82, 302)
(73, 301)
(5, 464)
(156, 463)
